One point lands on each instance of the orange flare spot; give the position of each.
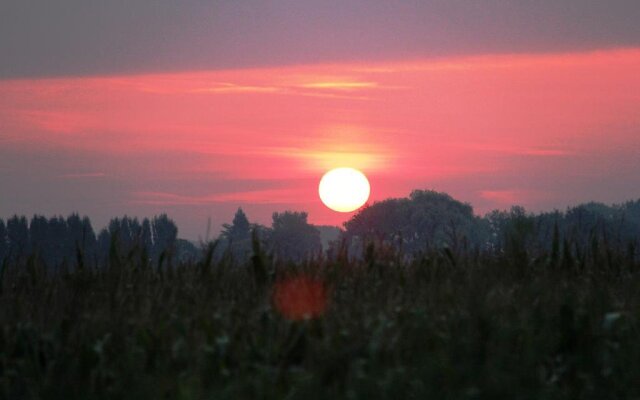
(300, 298)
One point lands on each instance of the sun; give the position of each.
(344, 189)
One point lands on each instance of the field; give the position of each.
(443, 326)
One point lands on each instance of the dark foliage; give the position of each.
(292, 238)
(58, 242)
(444, 325)
(429, 220)
(512, 305)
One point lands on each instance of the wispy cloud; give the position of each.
(533, 151)
(83, 175)
(493, 61)
(226, 87)
(538, 152)
(65, 122)
(305, 85)
(334, 95)
(268, 196)
(339, 85)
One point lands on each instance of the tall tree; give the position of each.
(80, 237)
(58, 234)
(240, 228)
(39, 238)
(3, 241)
(127, 232)
(165, 233)
(18, 236)
(103, 243)
(146, 236)
(236, 237)
(89, 239)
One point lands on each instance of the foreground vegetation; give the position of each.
(446, 325)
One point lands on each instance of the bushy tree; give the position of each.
(292, 238)
(425, 220)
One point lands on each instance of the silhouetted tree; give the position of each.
(89, 240)
(236, 237)
(3, 241)
(425, 220)
(127, 231)
(555, 246)
(18, 236)
(39, 238)
(240, 228)
(146, 237)
(148, 240)
(518, 233)
(292, 237)
(102, 245)
(128, 236)
(165, 233)
(80, 237)
(61, 249)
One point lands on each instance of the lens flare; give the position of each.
(299, 298)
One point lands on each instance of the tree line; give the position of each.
(58, 241)
(428, 220)
(415, 225)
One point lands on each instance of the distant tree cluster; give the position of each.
(290, 237)
(428, 220)
(592, 230)
(72, 240)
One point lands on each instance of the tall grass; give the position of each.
(444, 325)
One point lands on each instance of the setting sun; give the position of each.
(344, 189)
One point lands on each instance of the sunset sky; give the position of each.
(196, 108)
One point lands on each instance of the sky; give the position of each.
(197, 108)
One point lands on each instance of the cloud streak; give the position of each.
(268, 196)
(83, 175)
(76, 37)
